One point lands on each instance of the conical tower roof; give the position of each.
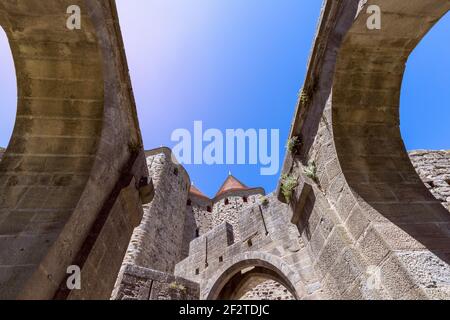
(231, 184)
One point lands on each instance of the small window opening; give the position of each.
(197, 272)
(220, 259)
(197, 233)
(189, 202)
(227, 202)
(245, 199)
(250, 243)
(209, 209)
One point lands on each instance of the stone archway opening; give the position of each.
(366, 125)
(8, 92)
(48, 162)
(424, 111)
(253, 280)
(425, 88)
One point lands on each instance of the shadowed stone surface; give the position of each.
(368, 213)
(68, 180)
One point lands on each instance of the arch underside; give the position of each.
(366, 125)
(58, 125)
(64, 177)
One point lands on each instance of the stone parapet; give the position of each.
(139, 283)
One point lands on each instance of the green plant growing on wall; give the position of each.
(264, 201)
(288, 185)
(177, 286)
(293, 145)
(311, 171)
(303, 97)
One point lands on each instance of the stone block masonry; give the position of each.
(269, 253)
(433, 168)
(64, 177)
(228, 208)
(269, 290)
(208, 248)
(145, 284)
(372, 228)
(198, 218)
(157, 243)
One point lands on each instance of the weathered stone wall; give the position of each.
(198, 220)
(68, 171)
(157, 243)
(230, 212)
(265, 231)
(2, 151)
(117, 229)
(433, 168)
(207, 249)
(269, 290)
(366, 215)
(145, 284)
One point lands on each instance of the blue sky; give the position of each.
(239, 64)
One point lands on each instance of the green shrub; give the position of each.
(264, 201)
(177, 286)
(311, 171)
(293, 145)
(304, 97)
(288, 185)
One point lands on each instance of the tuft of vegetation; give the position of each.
(311, 171)
(177, 286)
(288, 185)
(303, 97)
(264, 201)
(293, 145)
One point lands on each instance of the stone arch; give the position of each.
(265, 267)
(366, 97)
(377, 215)
(8, 92)
(76, 146)
(401, 221)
